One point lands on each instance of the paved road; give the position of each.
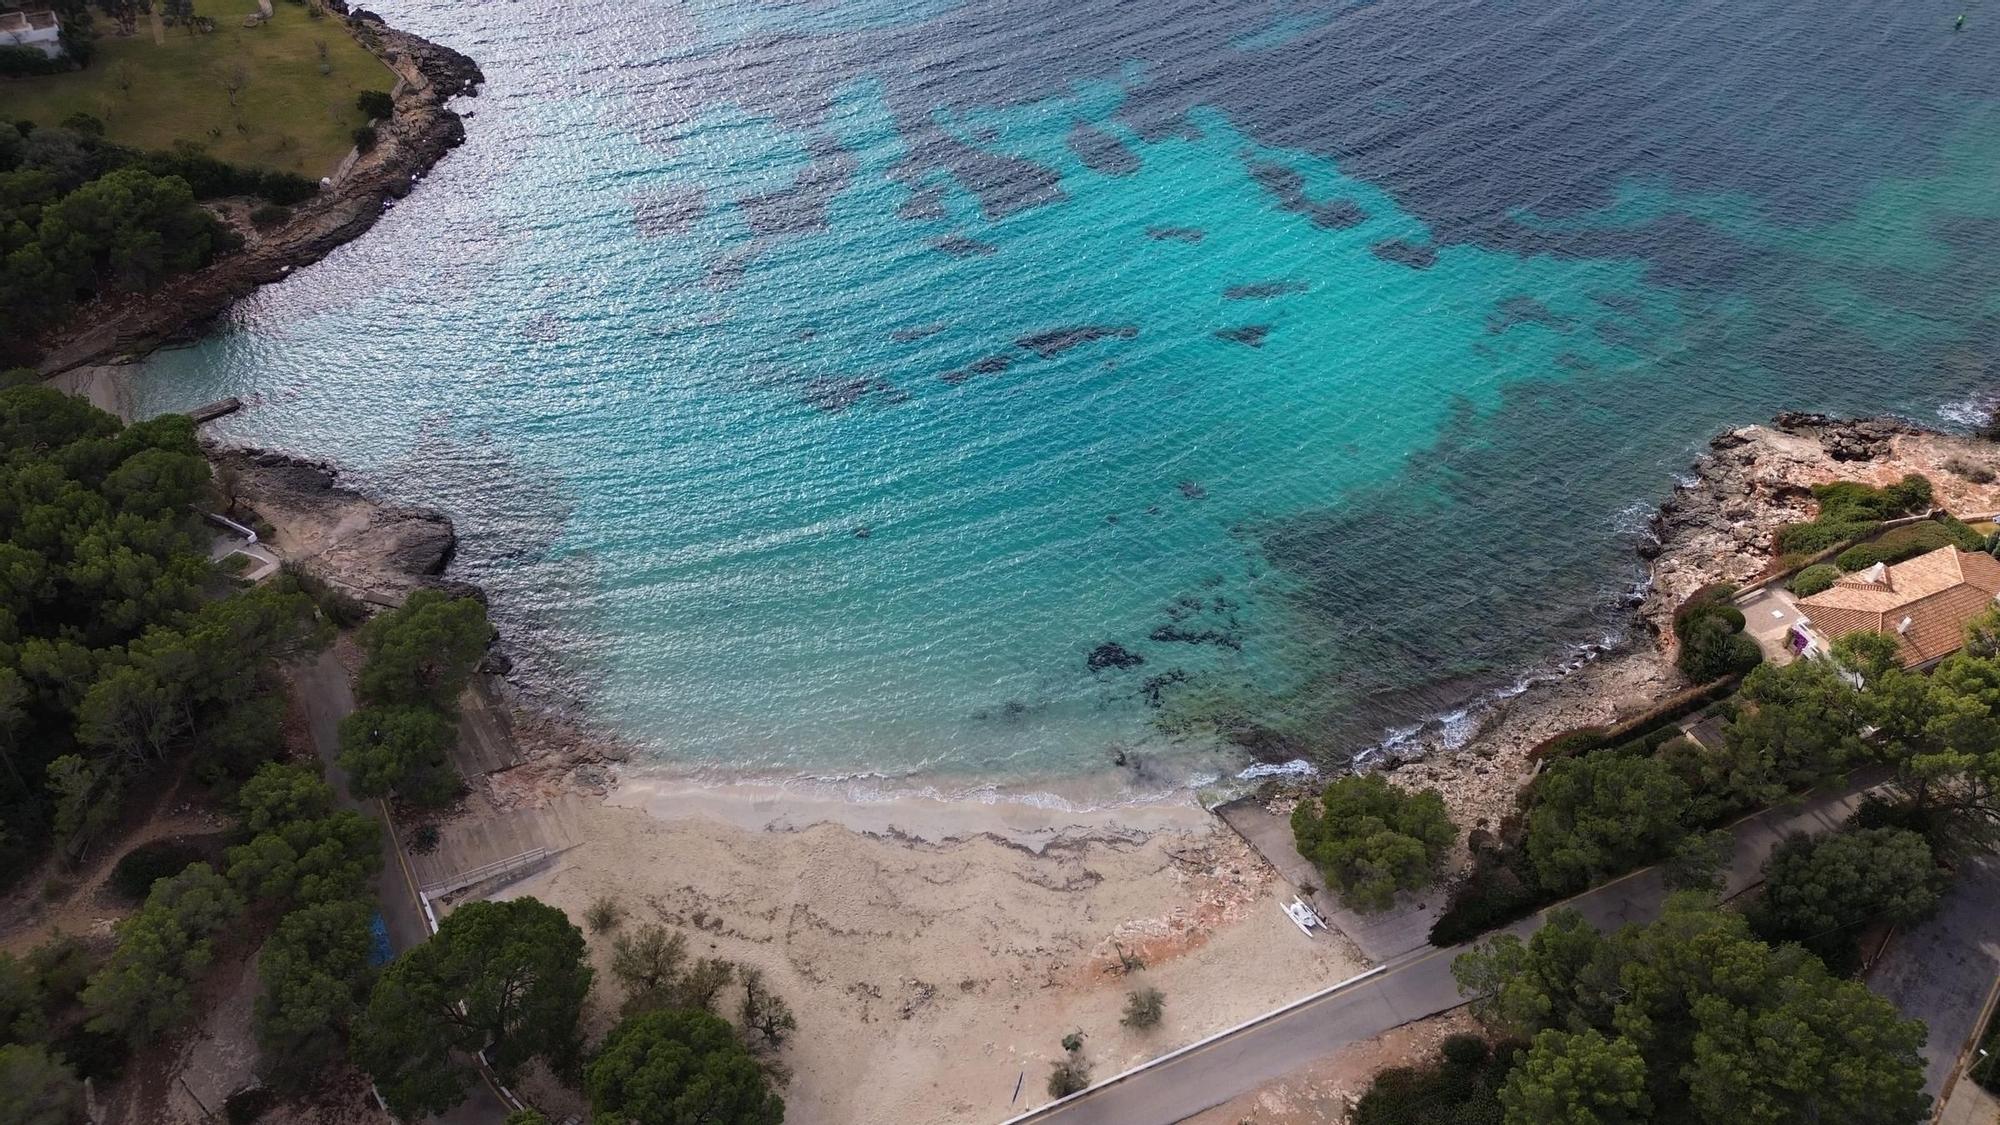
(1942, 970)
(1408, 988)
(326, 699)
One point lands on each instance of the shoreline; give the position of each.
(422, 129)
(936, 949)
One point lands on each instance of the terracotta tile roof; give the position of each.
(1936, 593)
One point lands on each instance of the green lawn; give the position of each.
(287, 114)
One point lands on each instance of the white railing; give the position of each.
(485, 871)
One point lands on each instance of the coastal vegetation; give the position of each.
(1371, 839)
(1676, 1021)
(1461, 1086)
(506, 979)
(419, 658)
(1710, 634)
(674, 1066)
(81, 217)
(1608, 809)
(279, 95)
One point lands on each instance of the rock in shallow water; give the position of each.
(1111, 654)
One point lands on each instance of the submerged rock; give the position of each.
(667, 211)
(918, 331)
(1056, 341)
(1523, 309)
(1155, 687)
(960, 246)
(1257, 291)
(1189, 235)
(1101, 151)
(1288, 186)
(1111, 654)
(1405, 253)
(1250, 334)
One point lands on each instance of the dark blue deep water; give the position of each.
(818, 385)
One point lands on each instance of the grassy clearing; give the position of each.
(288, 115)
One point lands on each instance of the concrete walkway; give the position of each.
(1969, 1105)
(1383, 936)
(1409, 988)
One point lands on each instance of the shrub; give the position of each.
(1815, 578)
(364, 138)
(603, 914)
(1371, 839)
(267, 215)
(375, 103)
(425, 839)
(1710, 631)
(1569, 744)
(140, 868)
(1851, 510)
(1897, 544)
(1461, 1086)
(1973, 471)
(340, 607)
(1498, 891)
(20, 62)
(1144, 1008)
(1812, 538)
(1069, 1075)
(81, 122)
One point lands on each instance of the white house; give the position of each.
(40, 30)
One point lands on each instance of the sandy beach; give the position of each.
(937, 951)
(936, 954)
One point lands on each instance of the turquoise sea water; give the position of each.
(817, 387)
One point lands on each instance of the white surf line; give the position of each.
(1195, 1046)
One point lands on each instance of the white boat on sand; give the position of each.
(1302, 916)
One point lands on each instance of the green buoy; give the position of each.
(1960, 25)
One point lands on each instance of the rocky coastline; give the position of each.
(1721, 521)
(1719, 524)
(413, 139)
(374, 551)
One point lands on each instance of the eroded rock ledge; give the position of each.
(374, 550)
(412, 141)
(1720, 523)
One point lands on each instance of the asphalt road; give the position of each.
(1941, 971)
(326, 699)
(1407, 989)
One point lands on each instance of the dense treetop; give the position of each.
(1371, 839)
(1731, 1031)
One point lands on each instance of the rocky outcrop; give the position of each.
(375, 551)
(1720, 523)
(422, 129)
